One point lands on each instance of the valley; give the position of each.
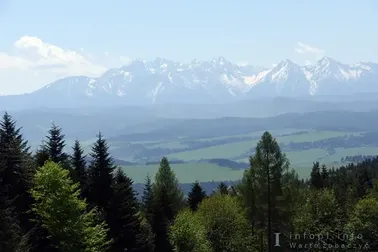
(188, 126)
(200, 163)
(212, 149)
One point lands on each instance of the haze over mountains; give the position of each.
(200, 82)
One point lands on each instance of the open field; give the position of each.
(300, 160)
(232, 150)
(305, 138)
(232, 147)
(186, 173)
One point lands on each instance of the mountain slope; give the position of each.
(214, 81)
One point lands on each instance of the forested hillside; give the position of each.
(52, 201)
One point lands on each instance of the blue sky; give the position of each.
(87, 37)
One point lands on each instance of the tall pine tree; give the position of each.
(11, 235)
(100, 175)
(222, 188)
(78, 164)
(316, 177)
(195, 196)
(55, 146)
(124, 222)
(270, 165)
(147, 204)
(41, 155)
(18, 170)
(169, 199)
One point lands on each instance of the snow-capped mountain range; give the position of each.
(217, 81)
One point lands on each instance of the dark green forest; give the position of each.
(52, 201)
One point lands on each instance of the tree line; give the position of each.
(357, 158)
(53, 201)
(347, 141)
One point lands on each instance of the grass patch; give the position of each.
(235, 149)
(167, 145)
(220, 151)
(313, 136)
(186, 173)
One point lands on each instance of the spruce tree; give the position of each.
(324, 175)
(124, 222)
(195, 196)
(316, 177)
(55, 145)
(100, 175)
(147, 204)
(41, 156)
(11, 235)
(78, 164)
(222, 188)
(18, 170)
(169, 200)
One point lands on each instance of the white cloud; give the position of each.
(59, 60)
(307, 49)
(9, 62)
(35, 63)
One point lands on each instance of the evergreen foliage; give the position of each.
(195, 196)
(100, 175)
(55, 145)
(43, 204)
(168, 201)
(78, 165)
(124, 221)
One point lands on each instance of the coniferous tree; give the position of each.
(78, 164)
(11, 235)
(100, 175)
(324, 175)
(363, 182)
(55, 145)
(124, 222)
(222, 188)
(18, 170)
(270, 165)
(17, 178)
(249, 192)
(316, 177)
(41, 155)
(195, 196)
(169, 199)
(147, 204)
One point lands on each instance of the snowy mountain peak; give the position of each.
(286, 64)
(328, 62)
(163, 80)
